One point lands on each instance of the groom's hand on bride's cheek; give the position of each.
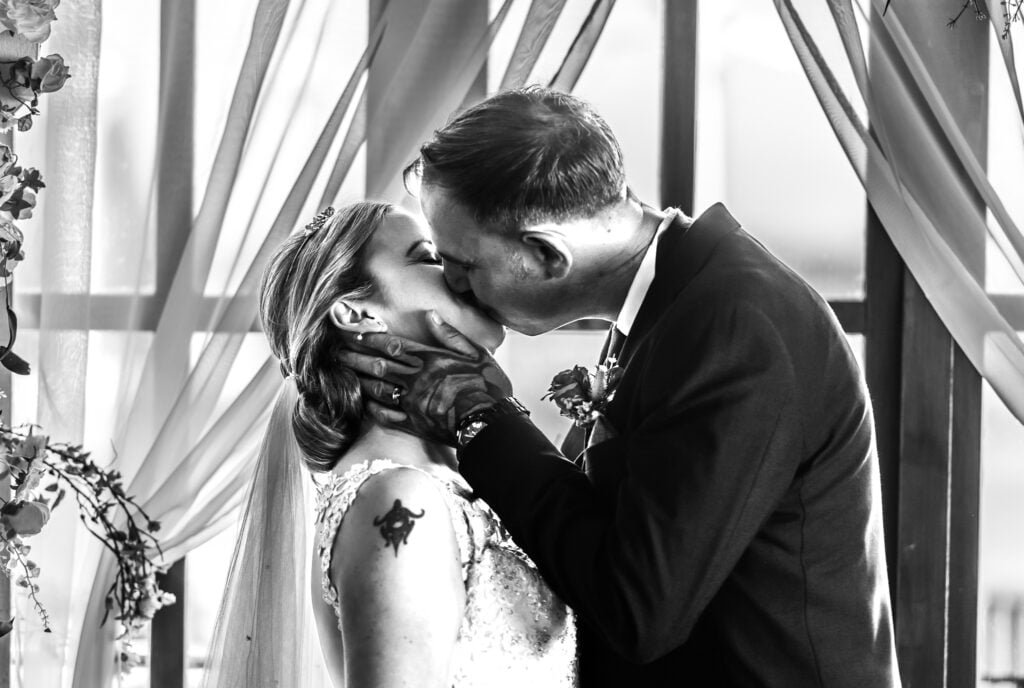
(439, 386)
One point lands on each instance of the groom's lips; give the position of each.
(470, 300)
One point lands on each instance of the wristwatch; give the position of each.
(471, 425)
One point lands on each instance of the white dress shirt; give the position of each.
(644, 277)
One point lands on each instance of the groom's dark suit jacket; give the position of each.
(731, 534)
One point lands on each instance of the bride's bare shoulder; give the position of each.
(398, 525)
(396, 565)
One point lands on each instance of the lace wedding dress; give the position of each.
(515, 631)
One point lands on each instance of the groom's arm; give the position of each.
(714, 453)
(702, 473)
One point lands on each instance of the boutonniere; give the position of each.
(582, 395)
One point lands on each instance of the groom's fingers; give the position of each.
(449, 336)
(387, 417)
(377, 367)
(383, 344)
(381, 392)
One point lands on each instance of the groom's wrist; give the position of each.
(474, 423)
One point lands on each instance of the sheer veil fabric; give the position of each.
(265, 633)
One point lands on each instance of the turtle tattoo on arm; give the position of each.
(396, 525)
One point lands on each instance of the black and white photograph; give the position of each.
(511, 344)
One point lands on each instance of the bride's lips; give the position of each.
(470, 300)
(488, 314)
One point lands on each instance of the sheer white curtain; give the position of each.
(179, 399)
(921, 175)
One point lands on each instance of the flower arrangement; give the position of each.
(23, 80)
(583, 396)
(18, 189)
(41, 475)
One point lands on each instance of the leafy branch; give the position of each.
(41, 474)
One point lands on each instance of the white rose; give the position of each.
(30, 18)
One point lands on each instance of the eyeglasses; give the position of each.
(412, 177)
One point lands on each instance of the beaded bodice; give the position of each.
(515, 631)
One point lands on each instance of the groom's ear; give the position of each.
(352, 317)
(549, 251)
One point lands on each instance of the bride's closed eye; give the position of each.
(423, 251)
(430, 258)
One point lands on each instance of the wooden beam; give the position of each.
(679, 105)
(167, 640)
(940, 449)
(175, 161)
(175, 138)
(852, 315)
(883, 370)
(921, 603)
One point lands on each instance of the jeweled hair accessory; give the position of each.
(312, 228)
(320, 220)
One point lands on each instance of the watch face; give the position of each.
(470, 431)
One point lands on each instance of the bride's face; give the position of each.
(404, 265)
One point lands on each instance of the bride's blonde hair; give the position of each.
(309, 272)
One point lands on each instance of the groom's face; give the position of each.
(498, 273)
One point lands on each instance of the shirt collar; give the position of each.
(643, 278)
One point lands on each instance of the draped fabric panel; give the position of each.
(537, 28)
(65, 245)
(921, 175)
(583, 46)
(192, 396)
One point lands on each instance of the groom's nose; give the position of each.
(457, 279)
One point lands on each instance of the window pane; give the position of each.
(1005, 167)
(857, 344)
(623, 82)
(206, 572)
(1001, 556)
(766, 150)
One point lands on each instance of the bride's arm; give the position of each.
(398, 573)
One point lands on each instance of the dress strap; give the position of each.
(340, 491)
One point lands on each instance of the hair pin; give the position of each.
(320, 220)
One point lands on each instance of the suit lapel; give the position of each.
(682, 252)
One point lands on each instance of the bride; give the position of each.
(414, 581)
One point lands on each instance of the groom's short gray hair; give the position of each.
(525, 156)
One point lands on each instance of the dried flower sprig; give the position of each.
(41, 474)
(1013, 11)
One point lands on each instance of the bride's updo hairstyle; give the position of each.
(310, 271)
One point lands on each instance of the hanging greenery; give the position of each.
(1013, 11)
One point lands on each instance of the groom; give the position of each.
(727, 530)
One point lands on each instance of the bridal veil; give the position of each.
(265, 633)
